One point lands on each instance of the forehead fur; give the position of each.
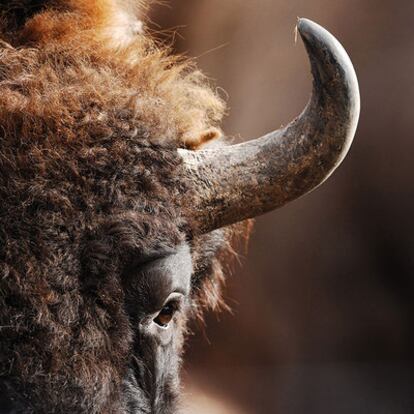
(91, 14)
(79, 72)
(114, 22)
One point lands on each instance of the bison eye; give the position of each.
(166, 314)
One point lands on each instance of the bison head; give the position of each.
(120, 198)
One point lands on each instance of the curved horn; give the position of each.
(242, 181)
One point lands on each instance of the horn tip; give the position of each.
(310, 31)
(332, 66)
(327, 51)
(306, 25)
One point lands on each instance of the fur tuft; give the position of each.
(115, 23)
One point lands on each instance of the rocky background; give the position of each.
(323, 304)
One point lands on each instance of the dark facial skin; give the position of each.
(157, 302)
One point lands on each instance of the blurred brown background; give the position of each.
(324, 301)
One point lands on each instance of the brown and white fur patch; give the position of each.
(115, 23)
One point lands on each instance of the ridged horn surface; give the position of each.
(237, 182)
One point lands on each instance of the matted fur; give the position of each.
(91, 113)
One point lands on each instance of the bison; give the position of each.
(121, 199)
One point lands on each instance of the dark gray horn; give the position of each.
(242, 181)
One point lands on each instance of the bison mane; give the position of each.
(89, 122)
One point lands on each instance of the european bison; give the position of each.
(120, 199)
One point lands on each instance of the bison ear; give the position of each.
(204, 138)
(111, 22)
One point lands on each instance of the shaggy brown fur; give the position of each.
(91, 112)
